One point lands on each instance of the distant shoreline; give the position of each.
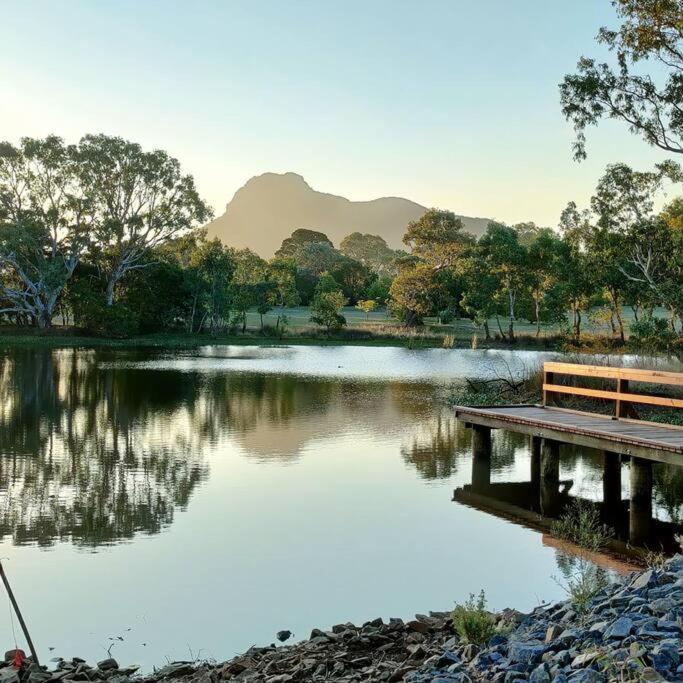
(57, 339)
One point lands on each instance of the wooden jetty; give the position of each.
(618, 435)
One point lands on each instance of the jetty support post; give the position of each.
(481, 457)
(640, 508)
(535, 445)
(550, 477)
(611, 485)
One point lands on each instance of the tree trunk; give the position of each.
(538, 317)
(487, 332)
(111, 283)
(500, 328)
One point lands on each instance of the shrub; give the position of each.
(652, 334)
(473, 622)
(580, 524)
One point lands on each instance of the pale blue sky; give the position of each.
(451, 103)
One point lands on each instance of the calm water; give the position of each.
(171, 505)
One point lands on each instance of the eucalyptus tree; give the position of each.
(651, 34)
(142, 199)
(506, 261)
(46, 222)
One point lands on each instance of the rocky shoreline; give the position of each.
(632, 630)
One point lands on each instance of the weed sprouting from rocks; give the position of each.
(473, 622)
(582, 581)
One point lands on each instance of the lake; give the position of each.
(190, 504)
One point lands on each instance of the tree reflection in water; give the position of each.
(89, 455)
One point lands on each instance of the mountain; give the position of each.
(270, 206)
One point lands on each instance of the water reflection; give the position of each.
(98, 446)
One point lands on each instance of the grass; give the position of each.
(377, 329)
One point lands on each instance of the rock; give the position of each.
(283, 635)
(585, 658)
(586, 676)
(9, 675)
(174, 670)
(526, 652)
(107, 664)
(649, 674)
(553, 632)
(418, 626)
(620, 628)
(540, 674)
(665, 656)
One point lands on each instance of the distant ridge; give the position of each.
(270, 206)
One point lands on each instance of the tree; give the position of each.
(352, 276)
(650, 105)
(543, 265)
(378, 289)
(576, 277)
(327, 305)
(213, 267)
(300, 237)
(480, 286)
(505, 258)
(367, 306)
(370, 250)
(45, 223)
(437, 238)
(411, 294)
(142, 199)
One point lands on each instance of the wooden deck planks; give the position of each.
(649, 440)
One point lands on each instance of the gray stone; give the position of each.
(619, 629)
(540, 674)
(9, 675)
(586, 676)
(526, 652)
(107, 664)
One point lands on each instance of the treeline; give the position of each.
(107, 237)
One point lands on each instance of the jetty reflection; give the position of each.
(653, 523)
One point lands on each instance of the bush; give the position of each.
(473, 622)
(652, 334)
(115, 322)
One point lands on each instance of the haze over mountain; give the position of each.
(271, 206)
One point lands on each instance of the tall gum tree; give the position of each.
(46, 222)
(142, 198)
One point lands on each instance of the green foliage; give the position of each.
(378, 290)
(367, 306)
(472, 621)
(650, 34)
(370, 250)
(580, 524)
(326, 309)
(653, 334)
(292, 245)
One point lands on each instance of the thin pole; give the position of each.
(17, 611)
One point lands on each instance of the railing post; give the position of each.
(621, 407)
(548, 378)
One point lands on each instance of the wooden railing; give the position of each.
(621, 395)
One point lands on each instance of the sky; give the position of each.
(450, 103)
